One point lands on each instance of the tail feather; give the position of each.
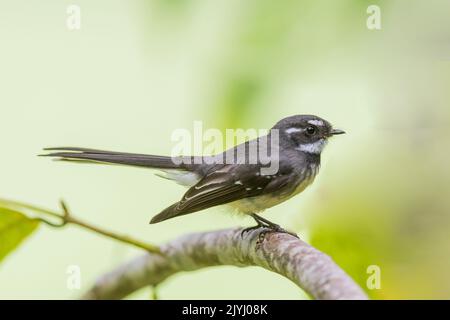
(83, 155)
(168, 213)
(112, 157)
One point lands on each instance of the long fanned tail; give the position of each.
(112, 157)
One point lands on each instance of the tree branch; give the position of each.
(310, 269)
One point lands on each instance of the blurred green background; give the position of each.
(137, 70)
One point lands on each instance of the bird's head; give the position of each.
(306, 133)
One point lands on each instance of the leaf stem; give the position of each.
(67, 218)
(118, 237)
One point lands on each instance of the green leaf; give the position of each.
(14, 228)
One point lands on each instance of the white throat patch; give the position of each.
(314, 147)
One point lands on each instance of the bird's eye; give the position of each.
(310, 130)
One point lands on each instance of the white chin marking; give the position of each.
(293, 130)
(314, 147)
(318, 123)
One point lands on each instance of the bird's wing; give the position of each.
(221, 186)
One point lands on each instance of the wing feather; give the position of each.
(217, 188)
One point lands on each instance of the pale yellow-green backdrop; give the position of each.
(137, 70)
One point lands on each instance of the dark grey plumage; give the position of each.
(240, 183)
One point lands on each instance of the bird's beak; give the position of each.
(334, 132)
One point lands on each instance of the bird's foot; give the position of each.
(269, 227)
(278, 229)
(244, 231)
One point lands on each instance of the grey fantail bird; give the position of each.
(241, 182)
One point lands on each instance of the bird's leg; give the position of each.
(270, 225)
(259, 224)
(264, 223)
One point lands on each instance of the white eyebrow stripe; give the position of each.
(292, 130)
(316, 122)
